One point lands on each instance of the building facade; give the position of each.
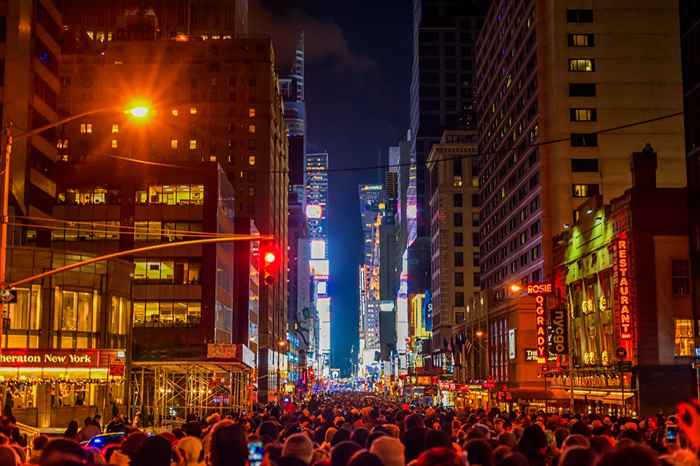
(453, 170)
(316, 187)
(30, 61)
(554, 73)
(624, 282)
(230, 113)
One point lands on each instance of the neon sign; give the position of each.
(539, 290)
(624, 291)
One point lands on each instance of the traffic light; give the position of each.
(270, 264)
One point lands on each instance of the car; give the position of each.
(102, 440)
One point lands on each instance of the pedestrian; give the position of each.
(297, 449)
(190, 452)
(390, 450)
(155, 451)
(71, 431)
(89, 430)
(227, 445)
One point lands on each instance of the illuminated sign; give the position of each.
(511, 343)
(530, 354)
(321, 288)
(560, 331)
(58, 358)
(318, 249)
(319, 268)
(314, 211)
(539, 290)
(624, 291)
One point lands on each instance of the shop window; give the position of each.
(684, 338)
(680, 277)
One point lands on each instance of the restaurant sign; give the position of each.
(623, 291)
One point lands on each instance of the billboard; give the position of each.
(314, 211)
(319, 268)
(318, 249)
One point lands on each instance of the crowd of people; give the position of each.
(353, 430)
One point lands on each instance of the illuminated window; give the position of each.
(583, 114)
(90, 34)
(680, 277)
(251, 160)
(251, 129)
(581, 64)
(115, 128)
(86, 128)
(251, 112)
(193, 144)
(166, 313)
(212, 158)
(584, 190)
(173, 143)
(175, 112)
(193, 110)
(684, 338)
(115, 144)
(581, 40)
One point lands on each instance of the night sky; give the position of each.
(358, 74)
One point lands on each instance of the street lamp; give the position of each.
(137, 109)
(515, 288)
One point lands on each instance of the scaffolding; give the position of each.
(168, 393)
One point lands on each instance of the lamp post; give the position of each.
(138, 110)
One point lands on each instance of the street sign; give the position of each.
(8, 296)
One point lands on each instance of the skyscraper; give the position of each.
(210, 19)
(371, 207)
(197, 123)
(442, 84)
(316, 187)
(550, 70)
(292, 88)
(31, 36)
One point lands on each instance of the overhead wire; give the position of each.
(477, 154)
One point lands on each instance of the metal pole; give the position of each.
(622, 389)
(697, 375)
(4, 220)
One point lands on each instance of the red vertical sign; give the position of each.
(623, 287)
(539, 290)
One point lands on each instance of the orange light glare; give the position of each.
(515, 288)
(139, 111)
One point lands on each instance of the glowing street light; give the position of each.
(138, 110)
(515, 288)
(270, 257)
(479, 333)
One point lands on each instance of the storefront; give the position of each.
(52, 387)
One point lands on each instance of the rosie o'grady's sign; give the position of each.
(539, 290)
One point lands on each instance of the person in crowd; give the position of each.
(71, 431)
(389, 450)
(190, 451)
(298, 450)
(89, 430)
(227, 445)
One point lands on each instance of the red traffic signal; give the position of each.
(269, 264)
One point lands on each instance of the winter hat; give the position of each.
(299, 446)
(389, 449)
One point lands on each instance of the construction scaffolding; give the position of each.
(168, 393)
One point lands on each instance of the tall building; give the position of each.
(442, 83)
(454, 173)
(31, 35)
(292, 88)
(690, 35)
(215, 102)
(370, 209)
(316, 186)
(551, 70)
(210, 19)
